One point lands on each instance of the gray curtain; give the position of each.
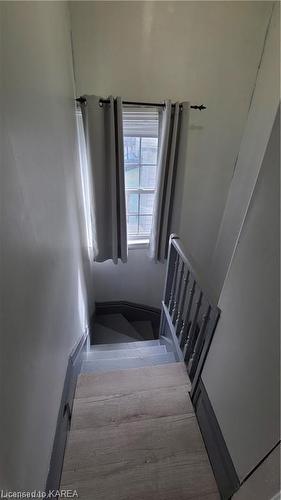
(170, 177)
(105, 154)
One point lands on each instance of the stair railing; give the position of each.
(189, 316)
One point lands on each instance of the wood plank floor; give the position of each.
(134, 436)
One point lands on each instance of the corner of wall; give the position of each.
(263, 107)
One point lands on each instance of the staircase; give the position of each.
(120, 344)
(134, 433)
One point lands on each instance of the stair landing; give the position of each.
(134, 435)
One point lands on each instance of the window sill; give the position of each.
(138, 244)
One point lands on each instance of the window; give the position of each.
(140, 155)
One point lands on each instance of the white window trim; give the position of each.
(134, 244)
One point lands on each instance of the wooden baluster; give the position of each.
(180, 320)
(178, 293)
(170, 273)
(162, 323)
(184, 330)
(209, 332)
(198, 345)
(190, 339)
(172, 294)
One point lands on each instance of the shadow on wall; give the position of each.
(43, 313)
(40, 327)
(140, 280)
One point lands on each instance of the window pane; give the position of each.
(145, 224)
(132, 176)
(131, 149)
(146, 203)
(140, 159)
(148, 176)
(132, 224)
(132, 203)
(149, 150)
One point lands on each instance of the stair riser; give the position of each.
(124, 345)
(105, 365)
(125, 353)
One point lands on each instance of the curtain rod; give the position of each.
(82, 100)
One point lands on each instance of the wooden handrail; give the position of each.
(189, 313)
(189, 261)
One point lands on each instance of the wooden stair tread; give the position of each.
(105, 335)
(116, 409)
(118, 382)
(144, 328)
(134, 435)
(120, 324)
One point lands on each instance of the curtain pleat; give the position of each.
(105, 154)
(173, 139)
(121, 198)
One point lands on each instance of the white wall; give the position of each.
(264, 483)
(43, 303)
(242, 370)
(258, 128)
(139, 280)
(205, 52)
